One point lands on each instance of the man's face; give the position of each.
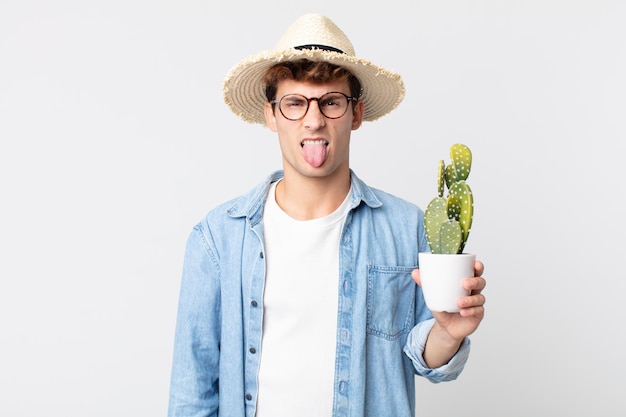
(314, 146)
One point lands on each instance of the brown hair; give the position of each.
(311, 71)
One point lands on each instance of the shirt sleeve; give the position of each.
(414, 349)
(194, 378)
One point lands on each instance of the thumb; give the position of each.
(415, 274)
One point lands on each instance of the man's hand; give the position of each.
(451, 328)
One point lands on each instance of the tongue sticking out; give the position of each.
(314, 153)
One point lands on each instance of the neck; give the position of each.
(305, 198)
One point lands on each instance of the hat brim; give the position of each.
(244, 91)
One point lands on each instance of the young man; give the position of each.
(300, 297)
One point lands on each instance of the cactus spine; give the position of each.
(448, 220)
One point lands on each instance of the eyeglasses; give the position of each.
(332, 105)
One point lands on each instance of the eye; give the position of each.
(332, 101)
(293, 102)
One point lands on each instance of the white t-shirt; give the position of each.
(297, 365)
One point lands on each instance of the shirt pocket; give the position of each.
(390, 300)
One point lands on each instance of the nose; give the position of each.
(314, 119)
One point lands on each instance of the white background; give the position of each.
(114, 142)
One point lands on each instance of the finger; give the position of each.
(475, 284)
(474, 300)
(476, 312)
(415, 274)
(479, 268)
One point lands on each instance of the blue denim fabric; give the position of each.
(382, 319)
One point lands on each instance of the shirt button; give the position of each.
(254, 303)
(252, 350)
(261, 255)
(248, 397)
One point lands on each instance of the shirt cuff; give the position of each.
(414, 349)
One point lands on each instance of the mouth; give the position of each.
(314, 142)
(314, 151)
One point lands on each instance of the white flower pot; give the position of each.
(442, 277)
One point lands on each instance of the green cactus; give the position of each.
(448, 220)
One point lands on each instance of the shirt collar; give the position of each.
(250, 205)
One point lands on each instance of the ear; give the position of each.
(270, 118)
(357, 117)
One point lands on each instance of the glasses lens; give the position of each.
(333, 105)
(293, 106)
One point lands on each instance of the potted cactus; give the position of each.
(448, 220)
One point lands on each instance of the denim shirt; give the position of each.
(382, 321)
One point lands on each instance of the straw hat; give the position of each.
(317, 38)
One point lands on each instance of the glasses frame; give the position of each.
(308, 104)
